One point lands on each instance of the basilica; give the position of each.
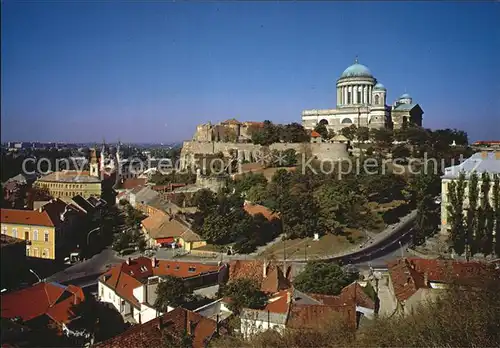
(361, 100)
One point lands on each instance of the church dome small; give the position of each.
(405, 96)
(357, 70)
(379, 87)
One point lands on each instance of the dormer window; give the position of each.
(192, 269)
(177, 267)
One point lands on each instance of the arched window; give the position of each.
(323, 121)
(377, 100)
(346, 120)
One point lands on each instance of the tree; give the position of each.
(483, 238)
(471, 218)
(349, 132)
(382, 137)
(133, 216)
(456, 192)
(266, 135)
(171, 292)
(331, 134)
(257, 194)
(362, 134)
(217, 228)
(294, 133)
(400, 151)
(204, 200)
(322, 130)
(326, 278)
(426, 186)
(496, 208)
(244, 293)
(97, 319)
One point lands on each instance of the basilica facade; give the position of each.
(362, 101)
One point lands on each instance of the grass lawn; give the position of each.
(327, 245)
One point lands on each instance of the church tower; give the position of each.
(94, 165)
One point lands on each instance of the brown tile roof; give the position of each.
(231, 121)
(123, 278)
(42, 299)
(25, 217)
(408, 275)
(177, 322)
(163, 225)
(254, 209)
(313, 316)
(254, 123)
(129, 184)
(352, 293)
(278, 302)
(254, 269)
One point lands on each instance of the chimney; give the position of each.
(289, 297)
(153, 262)
(128, 261)
(426, 278)
(484, 154)
(264, 268)
(160, 323)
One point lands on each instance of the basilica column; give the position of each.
(345, 95)
(339, 95)
(365, 94)
(370, 95)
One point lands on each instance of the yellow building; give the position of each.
(70, 183)
(33, 226)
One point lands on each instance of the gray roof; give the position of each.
(405, 107)
(301, 298)
(476, 163)
(145, 195)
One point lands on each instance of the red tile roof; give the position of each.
(315, 134)
(42, 299)
(409, 275)
(129, 184)
(25, 217)
(177, 323)
(278, 303)
(123, 278)
(314, 316)
(254, 269)
(254, 209)
(353, 293)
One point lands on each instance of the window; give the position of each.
(177, 268)
(46, 253)
(359, 97)
(349, 98)
(4, 230)
(35, 234)
(46, 236)
(377, 100)
(191, 269)
(26, 235)
(14, 232)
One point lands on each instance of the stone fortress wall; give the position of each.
(252, 153)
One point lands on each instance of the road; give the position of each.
(96, 265)
(381, 250)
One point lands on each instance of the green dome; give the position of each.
(405, 96)
(379, 87)
(357, 70)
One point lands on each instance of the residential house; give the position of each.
(414, 281)
(131, 286)
(316, 137)
(268, 275)
(13, 259)
(293, 309)
(254, 209)
(165, 229)
(50, 303)
(35, 227)
(177, 323)
(141, 195)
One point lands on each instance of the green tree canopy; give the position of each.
(326, 278)
(244, 293)
(171, 292)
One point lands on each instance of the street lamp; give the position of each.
(36, 275)
(88, 234)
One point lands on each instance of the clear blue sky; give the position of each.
(77, 71)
